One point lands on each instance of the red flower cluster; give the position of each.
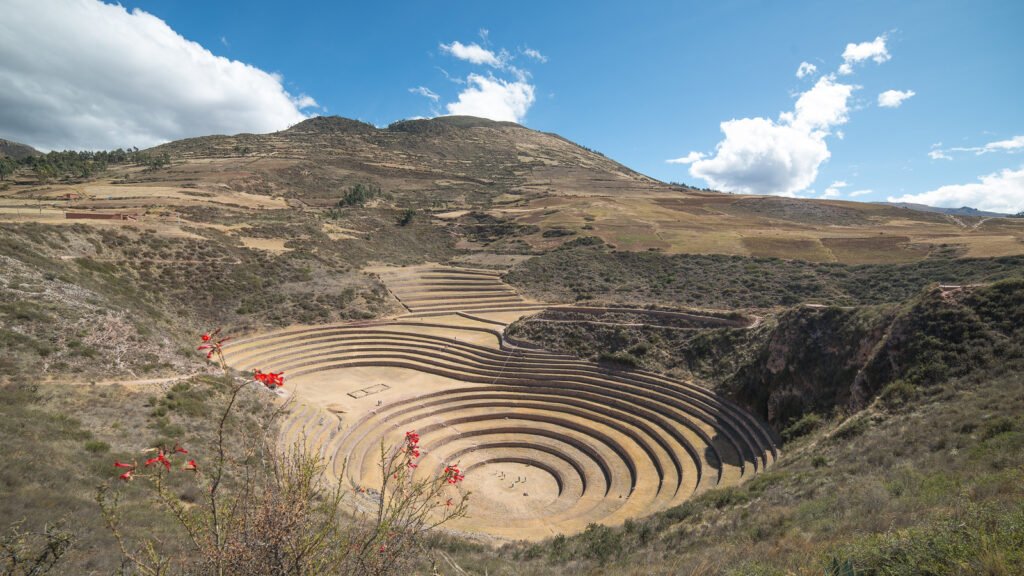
(212, 346)
(412, 448)
(269, 379)
(127, 475)
(161, 458)
(452, 474)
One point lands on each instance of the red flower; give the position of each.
(452, 474)
(179, 449)
(411, 464)
(160, 459)
(269, 379)
(119, 464)
(191, 465)
(213, 347)
(127, 475)
(412, 437)
(382, 548)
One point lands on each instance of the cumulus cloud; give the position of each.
(473, 53)
(893, 98)
(759, 156)
(997, 192)
(425, 92)
(85, 74)
(762, 156)
(494, 98)
(857, 53)
(491, 96)
(939, 155)
(688, 159)
(806, 69)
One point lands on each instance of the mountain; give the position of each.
(17, 150)
(962, 211)
(448, 158)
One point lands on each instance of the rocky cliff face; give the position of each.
(824, 359)
(809, 361)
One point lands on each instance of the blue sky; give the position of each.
(642, 84)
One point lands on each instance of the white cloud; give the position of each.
(857, 53)
(303, 101)
(1015, 143)
(1012, 145)
(494, 98)
(859, 193)
(893, 98)
(833, 191)
(761, 156)
(688, 159)
(86, 74)
(806, 69)
(536, 55)
(473, 53)
(426, 92)
(997, 192)
(758, 156)
(823, 106)
(491, 96)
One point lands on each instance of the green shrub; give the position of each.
(852, 428)
(802, 427)
(997, 427)
(97, 446)
(601, 543)
(897, 394)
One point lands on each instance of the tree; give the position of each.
(7, 167)
(407, 217)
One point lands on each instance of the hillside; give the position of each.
(962, 211)
(502, 188)
(16, 150)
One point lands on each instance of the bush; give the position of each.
(407, 217)
(97, 446)
(359, 194)
(601, 543)
(802, 427)
(852, 428)
(897, 394)
(997, 427)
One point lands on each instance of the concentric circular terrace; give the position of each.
(548, 443)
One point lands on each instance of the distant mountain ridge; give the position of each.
(17, 150)
(962, 211)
